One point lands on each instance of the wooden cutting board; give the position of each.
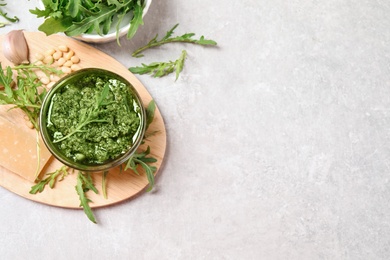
(120, 185)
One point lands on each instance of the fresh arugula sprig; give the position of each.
(87, 16)
(28, 95)
(84, 184)
(141, 159)
(53, 177)
(5, 15)
(161, 69)
(185, 38)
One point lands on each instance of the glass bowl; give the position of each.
(76, 162)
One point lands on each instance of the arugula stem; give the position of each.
(78, 129)
(84, 183)
(5, 15)
(27, 105)
(104, 184)
(152, 45)
(185, 38)
(149, 173)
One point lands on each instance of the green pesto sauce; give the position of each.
(113, 113)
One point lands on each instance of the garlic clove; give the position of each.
(15, 47)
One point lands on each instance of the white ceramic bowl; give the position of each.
(111, 36)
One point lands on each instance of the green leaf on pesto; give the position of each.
(88, 116)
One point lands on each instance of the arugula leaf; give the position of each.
(84, 184)
(118, 24)
(150, 113)
(26, 96)
(140, 159)
(92, 21)
(74, 7)
(180, 63)
(5, 15)
(51, 180)
(52, 25)
(161, 69)
(41, 13)
(104, 184)
(167, 35)
(185, 38)
(136, 21)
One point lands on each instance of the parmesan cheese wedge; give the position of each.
(18, 146)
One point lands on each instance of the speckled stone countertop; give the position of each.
(278, 140)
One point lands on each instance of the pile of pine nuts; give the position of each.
(61, 58)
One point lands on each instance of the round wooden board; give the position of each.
(120, 185)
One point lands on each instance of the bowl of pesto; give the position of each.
(92, 120)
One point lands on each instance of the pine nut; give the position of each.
(75, 67)
(45, 80)
(63, 48)
(68, 63)
(57, 55)
(61, 61)
(48, 60)
(69, 55)
(50, 52)
(40, 74)
(54, 78)
(66, 70)
(75, 59)
(50, 85)
(29, 124)
(39, 56)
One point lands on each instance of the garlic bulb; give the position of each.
(15, 47)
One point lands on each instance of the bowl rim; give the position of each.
(67, 161)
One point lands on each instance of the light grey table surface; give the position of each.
(278, 140)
